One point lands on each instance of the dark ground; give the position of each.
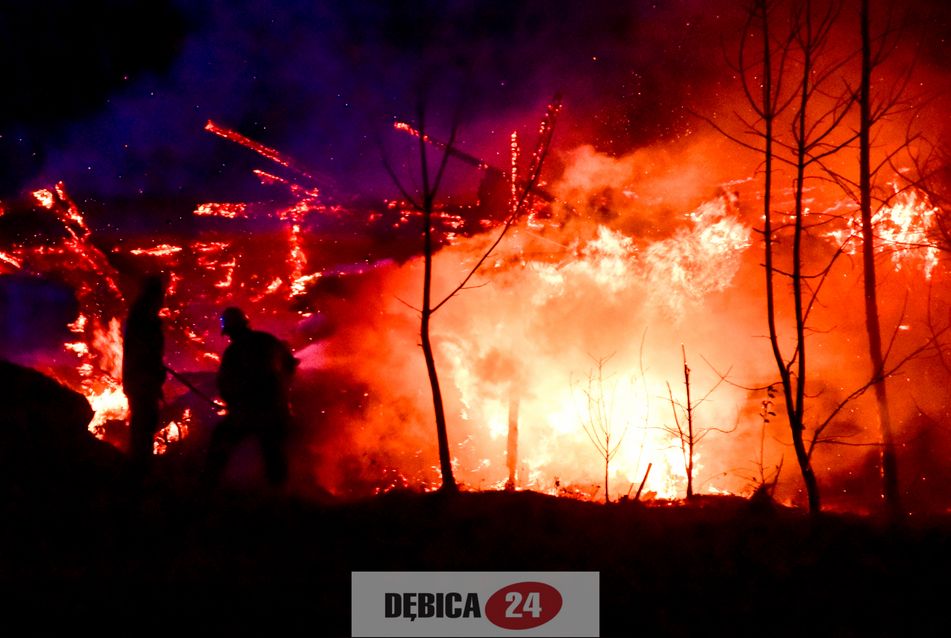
(79, 546)
(241, 561)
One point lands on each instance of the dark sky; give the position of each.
(111, 96)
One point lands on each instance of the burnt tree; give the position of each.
(792, 87)
(597, 422)
(684, 429)
(424, 201)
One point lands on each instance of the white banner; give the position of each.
(475, 604)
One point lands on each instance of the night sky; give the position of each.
(112, 99)
(112, 96)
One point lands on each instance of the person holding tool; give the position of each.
(254, 381)
(143, 371)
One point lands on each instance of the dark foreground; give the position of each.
(250, 563)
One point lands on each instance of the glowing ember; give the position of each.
(10, 260)
(45, 197)
(228, 210)
(162, 250)
(228, 268)
(174, 432)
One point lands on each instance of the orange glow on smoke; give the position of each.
(44, 197)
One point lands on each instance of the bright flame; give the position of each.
(697, 260)
(108, 404)
(903, 229)
(533, 348)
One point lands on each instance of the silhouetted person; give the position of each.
(254, 380)
(143, 370)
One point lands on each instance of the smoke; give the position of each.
(650, 255)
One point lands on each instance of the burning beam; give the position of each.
(162, 250)
(264, 151)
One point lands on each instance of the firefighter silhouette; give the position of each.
(254, 381)
(143, 369)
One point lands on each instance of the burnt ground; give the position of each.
(245, 561)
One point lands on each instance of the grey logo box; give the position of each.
(578, 616)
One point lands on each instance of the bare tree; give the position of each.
(872, 323)
(798, 105)
(688, 436)
(598, 419)
(424, 202)
(877, 104)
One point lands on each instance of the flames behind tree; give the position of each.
(634, 258)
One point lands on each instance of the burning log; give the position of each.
(643, 482)
(264, 151)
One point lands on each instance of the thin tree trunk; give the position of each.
(769, 116)
(793, 390)
(445, 459)
(889, 461)
(796, 411)
(689, 427)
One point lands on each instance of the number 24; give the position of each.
(532, 604)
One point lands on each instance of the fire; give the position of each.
(530, 346)
(174, 432)
(45, 197)
(611, 273)
(228, 210)
(903, 228)
(108, 403)
(228, 268)
(162, 250)
(97, 343)
(10, 260)
(79, 348)
(233, 136)
(102, 382)
(700, 259)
